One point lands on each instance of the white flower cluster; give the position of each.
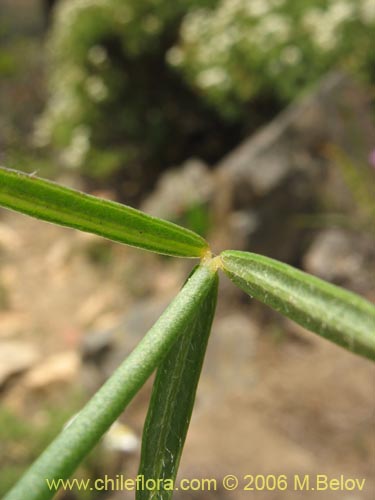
(212, 76)
(245, 42)
(96, 88)
(229, 53)
(79, 62)
(367, 10)
(324, 25)
(97, 55)
(63, 104)
(238, 29)
(74, 155)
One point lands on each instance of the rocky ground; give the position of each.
(273, 398)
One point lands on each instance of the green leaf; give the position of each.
(172, 402)
(64, 454)
(54, 203)
(336, 314)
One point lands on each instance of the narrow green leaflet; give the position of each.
(54, 203)
(64, 454)
(172, 402)
(330, 311)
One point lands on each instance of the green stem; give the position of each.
(172, 402)
(62, 457)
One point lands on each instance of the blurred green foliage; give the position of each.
(197, 217)
(22, 441)
(360, 181)
(113, 99)
(272, 46)
(139, 83)
(21, 85)
(8, 65)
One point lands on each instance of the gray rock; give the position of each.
(229, 362)
(343, 257)
(281, 170)
(291, 143)
(58, 369)
(180, 189)
(16, 356)
(105, 350)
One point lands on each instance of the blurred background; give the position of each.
(248, 121)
